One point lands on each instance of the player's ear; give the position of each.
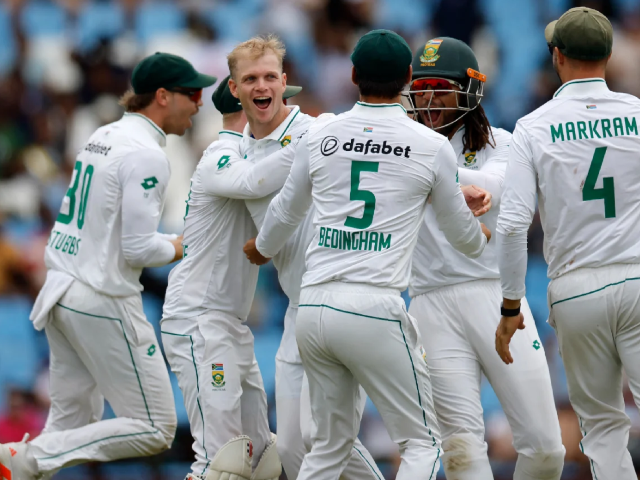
(162, 97)
(407, 80)
(233, 87)
(354, 77)
(284, 80)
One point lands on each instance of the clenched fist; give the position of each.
(252, 253)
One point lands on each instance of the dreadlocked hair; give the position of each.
(477, 131)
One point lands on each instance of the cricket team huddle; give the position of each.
(411, 188)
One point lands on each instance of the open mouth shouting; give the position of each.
(433, 116)
(262, 102)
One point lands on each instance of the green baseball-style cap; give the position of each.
(223, 100)
(381, 56)
(291, 91)
(163, 70)
(444, 57)
(227, 103)
(581, 33)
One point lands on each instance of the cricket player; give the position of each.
(579, 154)
(257, 81)
(102, 346)
(209, 296)
(456, 299)
(369, 173)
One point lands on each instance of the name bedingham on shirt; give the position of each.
(583, 147)
(435, 262)
(105, 232)
(369, 172)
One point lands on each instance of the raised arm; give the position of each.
(225, 173)
(454, 218)
(144, 176)
(289, 207)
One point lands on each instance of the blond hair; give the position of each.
(255, 48)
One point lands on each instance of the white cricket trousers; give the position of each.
(103, 347)
(355, 334)
(458, 327)
(213, 357)
(293, 411)
(596, 315)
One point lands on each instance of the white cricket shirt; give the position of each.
(105, 232)
(369, 172)
(579, 153)
(435, 262)
(214, 273)
(290, 261)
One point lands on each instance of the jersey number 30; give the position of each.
(606, 193)
(66, 218)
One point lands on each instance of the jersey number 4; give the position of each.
(606, 193)
(66, 218)
(365, 196)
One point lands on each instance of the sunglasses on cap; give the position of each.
(440, 86)
(194, 94)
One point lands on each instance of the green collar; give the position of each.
(279, 133)
(379, 110)
(582, 87)
(149, 125)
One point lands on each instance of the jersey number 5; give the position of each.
(365, 196)
(606, 193)
(66, 218)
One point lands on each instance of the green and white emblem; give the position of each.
(224, 160)
(149, 183)
(469, 159)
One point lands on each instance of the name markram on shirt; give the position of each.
(590, 129)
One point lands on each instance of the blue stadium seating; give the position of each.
(18, 357)
(8, 48)
(98, 20)
(43, 18)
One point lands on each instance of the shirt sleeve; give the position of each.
(516, 214)
(144, 176)
(225, 173)
(289, 207)
(460, 227)
(491, 174)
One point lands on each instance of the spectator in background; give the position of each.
(14, 276)
(22, 416)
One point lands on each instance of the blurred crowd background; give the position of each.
(63, 65)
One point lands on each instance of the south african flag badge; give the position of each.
(217, 375)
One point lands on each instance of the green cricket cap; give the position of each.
(445, 57)
(163, 70)
(227, 103)
(381, 56)
(581, 33)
